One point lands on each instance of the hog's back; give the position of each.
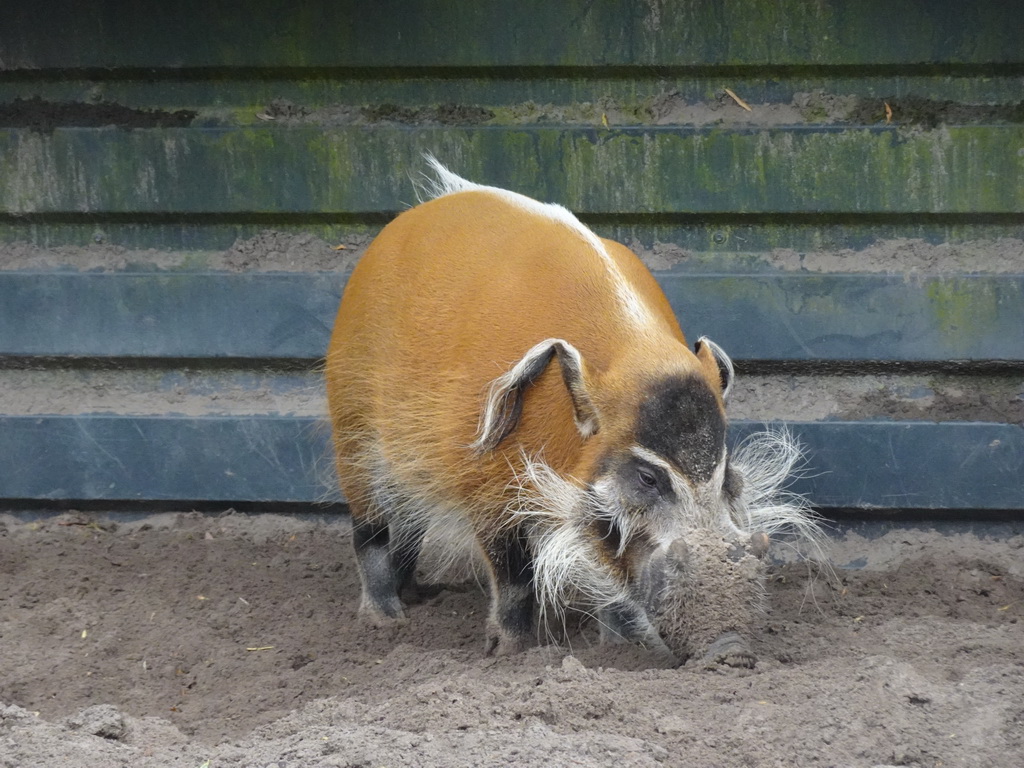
(448, 297)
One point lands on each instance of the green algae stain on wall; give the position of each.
(249, 165)
(963, 313)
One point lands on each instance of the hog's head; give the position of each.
(657, 526)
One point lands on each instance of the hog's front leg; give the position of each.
(623, 622)
(510, 625)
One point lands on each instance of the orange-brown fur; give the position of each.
(449, 296)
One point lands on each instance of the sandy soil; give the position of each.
(190, 640)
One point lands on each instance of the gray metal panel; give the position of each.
(854, 317)
(279, 315)
(263, 458)
(917, 465)
(168, 315)
(364, 170)
(910, 465)
(496, 33)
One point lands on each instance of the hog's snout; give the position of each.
(703, 592)
(757, 546)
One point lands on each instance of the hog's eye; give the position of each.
(647, 477)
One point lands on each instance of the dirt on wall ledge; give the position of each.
(154, 391)
(44, 116)
(669, 108)
(289, 251)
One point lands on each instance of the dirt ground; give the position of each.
(209, 641)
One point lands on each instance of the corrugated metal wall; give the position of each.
(833, 191)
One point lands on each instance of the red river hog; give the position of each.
(499, 372)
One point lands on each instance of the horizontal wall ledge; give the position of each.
(140, 388)
(850, 465)
(759, 317)
(716, 242)
(390, 33)
(631, 95)
(361, 170)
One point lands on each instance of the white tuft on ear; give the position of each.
(725, 368)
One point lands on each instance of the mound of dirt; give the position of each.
(191, 640)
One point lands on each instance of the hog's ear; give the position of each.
(715, 362)
(504, 403)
